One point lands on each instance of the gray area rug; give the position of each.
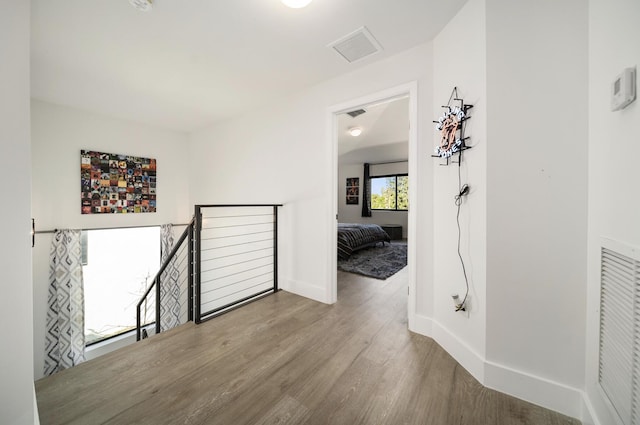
(378, 262)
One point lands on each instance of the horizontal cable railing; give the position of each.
(236, 256)
(226, 257)
(168, 301)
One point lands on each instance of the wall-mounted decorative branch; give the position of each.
(451, 126)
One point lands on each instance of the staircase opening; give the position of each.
(226, 257)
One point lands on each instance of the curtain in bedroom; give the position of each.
(169, 282)
(366, 192)
(64, 344)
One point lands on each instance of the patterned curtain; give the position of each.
(169, 283)
(64, 344)
(366, 192)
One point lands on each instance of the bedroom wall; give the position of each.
(58, 135)
(537, 95)
(613, 159)
(285, 156)
(353, 213)
(17, 396)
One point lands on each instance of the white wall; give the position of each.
(58, 135)
(614, 151)
(283, 154)
(536, 199)
(464, 67)
(16, 373)
(353, 213)
(524, 221)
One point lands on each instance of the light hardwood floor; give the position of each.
(286, 360)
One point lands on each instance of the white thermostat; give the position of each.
(623, 89)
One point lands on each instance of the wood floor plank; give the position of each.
(342, 405)
(286, 412)
(392, 400)
(196, 389)
(142, 368)
(286, 360)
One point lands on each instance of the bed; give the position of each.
(355, 236)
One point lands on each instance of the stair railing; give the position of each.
(236, 255)
(230, 253)
(178, 249)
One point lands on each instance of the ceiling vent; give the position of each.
(355, 113)
(357, 45)
(142, 5)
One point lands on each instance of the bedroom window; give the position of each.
(390, 193)
(119, 264)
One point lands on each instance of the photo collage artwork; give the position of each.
(117, 184)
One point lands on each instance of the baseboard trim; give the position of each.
(534, 389)
(422, 325)
(306, 290)
(589, 416)
(468, 358)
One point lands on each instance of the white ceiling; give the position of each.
(385, 133)
(189, 63)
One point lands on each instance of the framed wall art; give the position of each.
(117, 184)
(353, 190)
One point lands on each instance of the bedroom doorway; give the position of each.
(375, 130)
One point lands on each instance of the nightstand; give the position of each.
(393, 230)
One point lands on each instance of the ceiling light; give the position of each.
(296, 4)
(143, 5)
(355, 131)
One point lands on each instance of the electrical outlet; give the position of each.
(457, 302)
(467, 305)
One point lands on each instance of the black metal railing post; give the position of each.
(138, 324)
(190, 260)
(275, 248)
(196, 260)
(158, 300)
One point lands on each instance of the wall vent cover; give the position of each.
(619, 359)
(356, 45)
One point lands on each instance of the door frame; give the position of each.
(410, 89)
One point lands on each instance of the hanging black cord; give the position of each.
(462, 191)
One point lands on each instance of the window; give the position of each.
(390, 192)
(120, 264)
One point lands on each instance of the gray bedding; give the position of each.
(355, 236)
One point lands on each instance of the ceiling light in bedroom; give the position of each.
(355, 131)
(296, 4)
(143, 5)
